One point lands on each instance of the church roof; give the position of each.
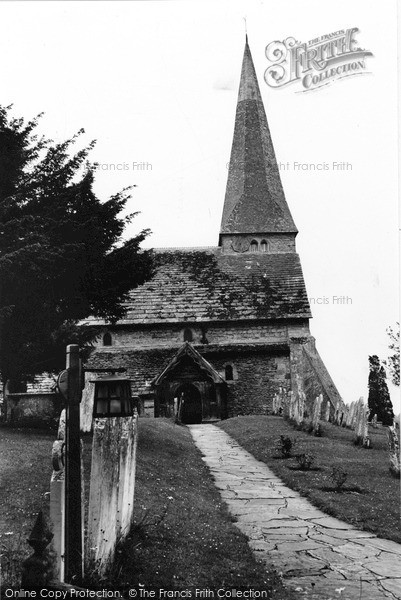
(188, 350)
(204, 286)
(254, 200)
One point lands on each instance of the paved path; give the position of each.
(320, 557)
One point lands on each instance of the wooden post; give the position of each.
(73, 492)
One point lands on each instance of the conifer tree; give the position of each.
(62, 256)
(393, 361)
(379, 398)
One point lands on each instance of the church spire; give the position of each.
(254, 201)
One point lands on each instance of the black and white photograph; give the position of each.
(199, 300)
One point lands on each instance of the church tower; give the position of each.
(223, 331)
(256, 217)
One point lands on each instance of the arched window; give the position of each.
(263, 246)
(188, 337)
(228, 370)
(107, 339)
(254, 246)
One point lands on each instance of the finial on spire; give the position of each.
(246, 31)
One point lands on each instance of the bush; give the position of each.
(339, 477)
(285, 445)
(305, 460)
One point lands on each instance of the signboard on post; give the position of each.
(62, 384)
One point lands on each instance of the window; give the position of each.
(263, 246)
(107, 339)
(229, 375)
(254, 246)
(188, 337)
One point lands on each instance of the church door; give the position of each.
(190, 404)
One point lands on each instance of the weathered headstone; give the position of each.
(57, 494)
(327, 413)
(317, 407)
(350, 415)
(336, 412)
(394, 450)
(287, 401)
(361, 426)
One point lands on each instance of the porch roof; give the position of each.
(188, 350)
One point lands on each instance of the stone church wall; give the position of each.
(276, 244)
(173, 335)
(257, 378)
(257, 373)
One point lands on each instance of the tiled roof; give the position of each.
(254, 200)
(196, 286)
(188, 350)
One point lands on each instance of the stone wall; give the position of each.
(135, 337)
(259, 375)
(32, 409)
(259, 371)
(276, 243)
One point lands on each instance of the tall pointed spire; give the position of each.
(254, 201)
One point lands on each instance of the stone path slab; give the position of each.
(320, 557)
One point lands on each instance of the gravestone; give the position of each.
(317, 407)
(394, 450)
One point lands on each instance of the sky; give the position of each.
(156, 83)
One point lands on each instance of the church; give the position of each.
(218, 331)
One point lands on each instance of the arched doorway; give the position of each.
(190, 404)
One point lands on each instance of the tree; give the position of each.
(379, 398)
(62, 257)
(393, 361)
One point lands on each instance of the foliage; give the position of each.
(393, 361)
(285, 445)
(339, 477)
(305, 460)
(62, 257)
(379, 398)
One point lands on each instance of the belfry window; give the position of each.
(228, 373)
(254, 246)
(263, 246)
(188, 337)
(107, 341)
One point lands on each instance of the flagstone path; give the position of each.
(320, 557)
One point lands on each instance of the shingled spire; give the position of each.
(254, 201)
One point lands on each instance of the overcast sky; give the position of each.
(157, 83)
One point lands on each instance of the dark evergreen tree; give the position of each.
(62, 257)
(379, 398)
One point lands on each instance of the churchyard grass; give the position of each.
(370, 497)
(183, 536)
(25, 471)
